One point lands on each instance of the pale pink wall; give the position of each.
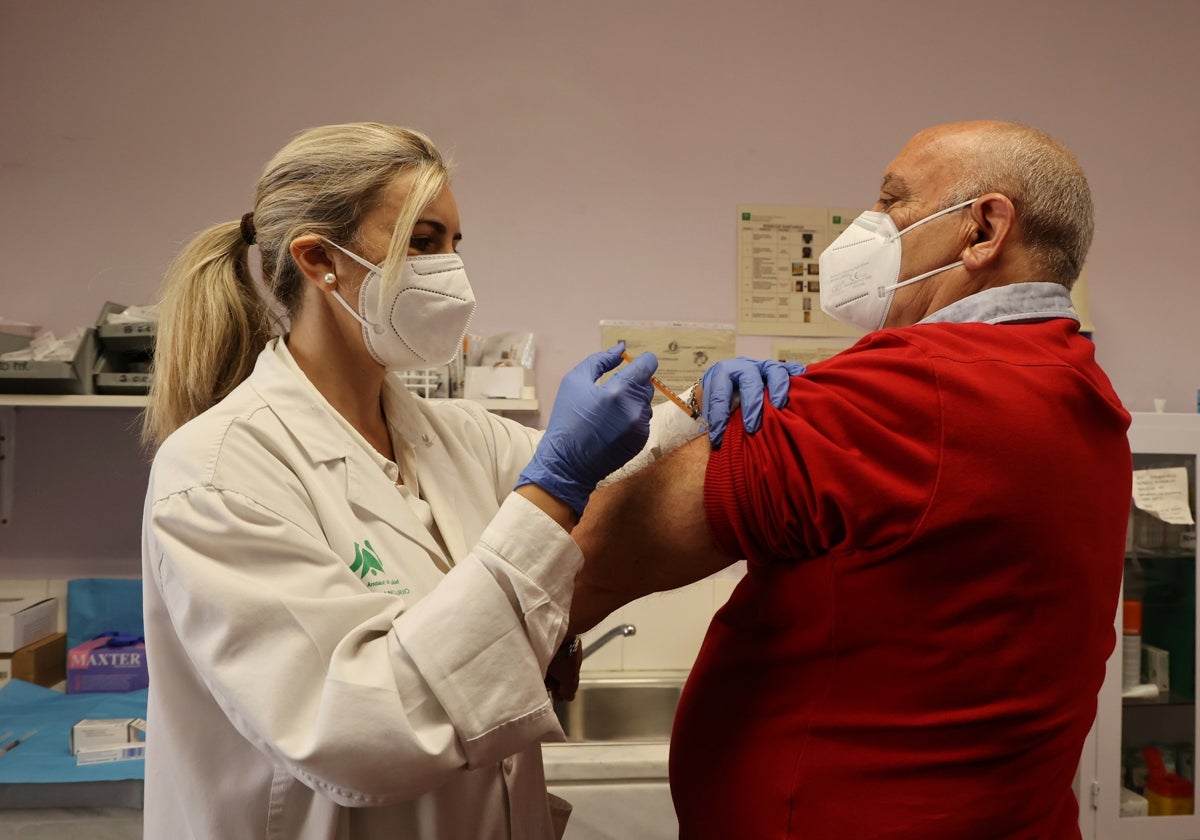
(602, 150)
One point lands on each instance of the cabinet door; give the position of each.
(1146, 724)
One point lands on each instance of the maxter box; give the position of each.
(100, 665)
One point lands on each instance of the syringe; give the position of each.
(665, 391)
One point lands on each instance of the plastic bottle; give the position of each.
(1131, 624)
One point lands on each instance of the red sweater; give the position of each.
(935, 529)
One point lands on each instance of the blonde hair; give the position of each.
(213, 322)
(1046, 186)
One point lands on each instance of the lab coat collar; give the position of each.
(433, 462)
(305, 414)
(298, 405)
(302, 410)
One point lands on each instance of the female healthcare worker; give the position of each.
(349, 613)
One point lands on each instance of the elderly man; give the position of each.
(934, 528)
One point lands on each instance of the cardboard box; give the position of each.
(100, 740)
(1133, 804)
(1156, 667)
(121, 375)
(496, 382)
(90, 733)
(26, 620)
(43, 662)
(102, 665)
(125, 339)
(73, 377)
(103, 755)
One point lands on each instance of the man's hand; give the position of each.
(743, 379)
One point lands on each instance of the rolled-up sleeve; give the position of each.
(848, 465)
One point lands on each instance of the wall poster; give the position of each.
(779, 280)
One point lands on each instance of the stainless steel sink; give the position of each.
(626, 709)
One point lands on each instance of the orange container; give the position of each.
(1131, 618)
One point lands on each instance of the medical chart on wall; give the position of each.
(684, 350)
(806, 353)
(779, 280)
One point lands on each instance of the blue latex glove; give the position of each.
(746, 377)
(594, 429)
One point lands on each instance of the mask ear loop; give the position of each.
(371, 267)
(930, 217)
(883, 290)
(375, 328)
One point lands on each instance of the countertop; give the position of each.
(605, 760)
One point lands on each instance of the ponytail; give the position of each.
(212, 325)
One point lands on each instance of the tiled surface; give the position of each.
(670, 627)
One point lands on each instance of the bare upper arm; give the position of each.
(645, 534)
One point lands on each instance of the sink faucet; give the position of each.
(608, 636)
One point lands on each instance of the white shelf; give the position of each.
(120, 401)
(73, 400)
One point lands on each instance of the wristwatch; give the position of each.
(568, 648)
(692, 404)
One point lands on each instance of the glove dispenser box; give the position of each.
(123, 361)
(59, 377)
(503, 382)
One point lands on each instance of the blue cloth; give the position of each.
(102, 605)
(46, 756)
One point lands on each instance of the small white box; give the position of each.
(103, 755)
(24, 621)
(1156, 665)
(506, 382)
(1133, 804)
(99, 733)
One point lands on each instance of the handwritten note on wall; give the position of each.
(1163, 493)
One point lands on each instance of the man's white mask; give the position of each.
(416, 320)
(859, 269)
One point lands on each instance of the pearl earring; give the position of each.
(330, 279)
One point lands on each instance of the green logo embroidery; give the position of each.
(365, 560)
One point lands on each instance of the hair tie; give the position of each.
(248, 232)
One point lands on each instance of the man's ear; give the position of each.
(995, 220)
(314, 261)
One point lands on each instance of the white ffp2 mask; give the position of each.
(859, 269)
(416, 320)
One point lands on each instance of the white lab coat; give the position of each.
(317, 668)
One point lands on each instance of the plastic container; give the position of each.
(1131, 624)
(1167, 794)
